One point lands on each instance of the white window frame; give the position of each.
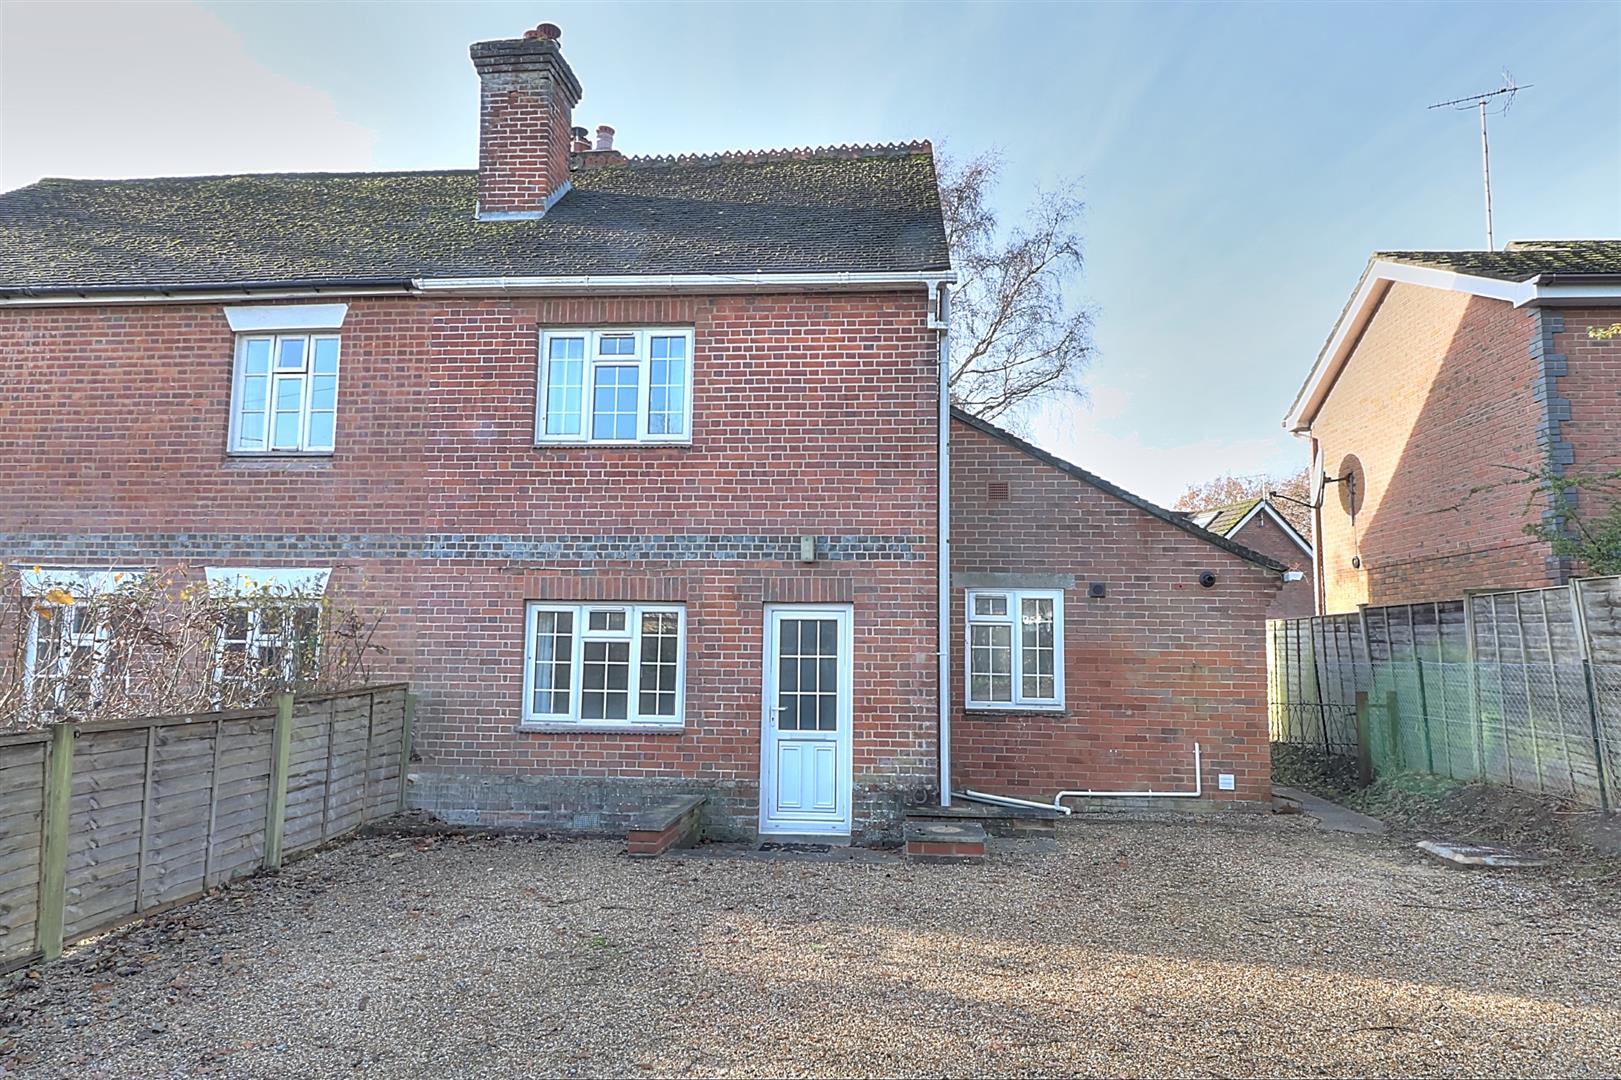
(582, 634)
(98, 639)
(641, 359)
(1015, 605)
(274, 376)
(269, 590)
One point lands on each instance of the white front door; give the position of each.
(805, 749)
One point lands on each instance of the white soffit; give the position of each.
(255, 318)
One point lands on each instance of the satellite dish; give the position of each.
(1317, 477)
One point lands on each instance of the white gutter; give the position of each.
(211, 296)
(665, 283)
(1198, 789)
(940, 320)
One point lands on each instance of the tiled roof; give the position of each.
(1222, 520)
(1521, 260)
(1170, 517)
(857, 209)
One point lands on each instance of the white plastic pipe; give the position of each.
(1008, 800)
(1198, 790)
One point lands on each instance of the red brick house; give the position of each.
(1260, 525)
(1450, 378)
(646, 459)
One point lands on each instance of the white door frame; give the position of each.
(839, 824)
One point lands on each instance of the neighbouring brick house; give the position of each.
(1260, 525)
(644, 458)
(1450, 378)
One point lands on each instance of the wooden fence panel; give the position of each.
(159, 811)
(22, 806)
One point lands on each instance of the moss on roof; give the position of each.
(1521, 260)
(876, 209)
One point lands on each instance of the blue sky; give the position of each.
(1239, 161)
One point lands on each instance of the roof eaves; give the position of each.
(1170, 517)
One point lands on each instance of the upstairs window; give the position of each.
(285, 395)
(615, 386)
(1015, 655)
(604, 665)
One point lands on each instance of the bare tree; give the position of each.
(1228, 489)
(1017, 335)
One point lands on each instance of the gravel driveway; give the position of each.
(1150, 948)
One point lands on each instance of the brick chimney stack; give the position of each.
(527, 94)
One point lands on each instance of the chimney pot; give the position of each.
(582, 140)
(605, 137)
(549, 31)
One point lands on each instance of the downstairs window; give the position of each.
(1015, 648)
(604, 665)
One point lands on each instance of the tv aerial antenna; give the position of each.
(1492, 101)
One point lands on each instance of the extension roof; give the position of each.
(831, 209)
(1180, 521)
(1229, 519)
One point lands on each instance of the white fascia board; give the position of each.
(211, 296)
(1281, 521)
(257, 318)
(672, 283)
(1573, 295)
(1376, 281)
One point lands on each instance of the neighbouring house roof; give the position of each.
(1170, 517)
(1229, 519)
(852, 209)
(1521, 260)
(1526, 273)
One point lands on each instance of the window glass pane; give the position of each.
(323, 393)
(250, 424)
(326, 356)
(290, 357)
(256, 356)
(306, 641)
(659, 659)
(605, 680)
(1036, 647)
(553, 662)
(613, 404)
(605, 620)
(321, 431)
(993, 604)
(565, 381)
(287, 418)
(616, 345)
(990, 662)
(667, 387)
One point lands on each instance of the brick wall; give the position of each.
(1296, 599)
(1591, 388)
(1156, 665)
(813, 414)
(1439, 403)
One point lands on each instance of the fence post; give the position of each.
(53, 868)
(1364, 752)
(1477, 723)
(1393, 727)
(1602, 767)
(281, 746)
(408, 726)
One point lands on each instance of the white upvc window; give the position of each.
(604, 665)
(615, 386)
(1015, 648)
(284, 396)
(272, 638)
(66, 654)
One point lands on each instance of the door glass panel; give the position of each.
(807, 675)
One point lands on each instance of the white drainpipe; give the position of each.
(1198, 789)
(940, 320)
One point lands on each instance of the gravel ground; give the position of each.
(1147, 948)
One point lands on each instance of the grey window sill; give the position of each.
(603, 444)
(1017, 710)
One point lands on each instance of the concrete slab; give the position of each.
(1479, 855)
(1331, 816)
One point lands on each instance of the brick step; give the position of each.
(676, 822)
(1013, 822)
(933, 841)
